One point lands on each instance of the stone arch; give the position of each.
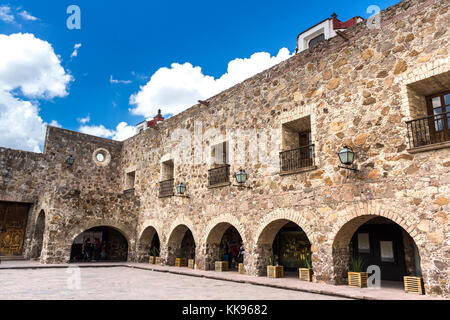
(279, 215)
(38, 235)
(125, 231)
(214, 234)
(148, 238)
(178, 222)
(224, 219)
(350, 220)
(268, 230)
(180, 230)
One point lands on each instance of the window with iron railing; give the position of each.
(297, 159)
(219, 176)
(166, 188)
(435, 128)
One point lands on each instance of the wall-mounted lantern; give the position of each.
(70, 161)
(347, 158)
(181, 190)
(241, 178)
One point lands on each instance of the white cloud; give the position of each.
(25, 15)
(29, 70)
(84, 120)
(114, 81)
(99, 131)
(179, 87)
(75, 50)
(122, 132)
(55, 123)
(5, 14)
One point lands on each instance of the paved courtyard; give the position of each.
(123, 283)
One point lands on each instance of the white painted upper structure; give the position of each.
(324, 30)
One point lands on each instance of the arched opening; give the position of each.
(181, 244)
(99, 244)
(287, 243)
(376, 241)
(224, 243)
(149, 245)
(38, 236)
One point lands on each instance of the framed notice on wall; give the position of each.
(387, 251)
(363, 243)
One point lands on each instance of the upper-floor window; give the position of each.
(297, 147)
(130, 180)
(431, 125)
(315, 41)
(219, 174)
(166, 186)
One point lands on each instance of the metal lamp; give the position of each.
(241, 177)
(181, 189)
(347, 157)
(70, 161)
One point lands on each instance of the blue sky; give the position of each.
(131, 40)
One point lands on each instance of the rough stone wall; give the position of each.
(51, 185)
(356, 93)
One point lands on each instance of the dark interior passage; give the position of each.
(102, 244)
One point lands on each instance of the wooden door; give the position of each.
(13, 223)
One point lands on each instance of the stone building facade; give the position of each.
(357, 90)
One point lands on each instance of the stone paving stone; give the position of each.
(124, 283)
(9, 274)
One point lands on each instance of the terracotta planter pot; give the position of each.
(152, 260)
(241, 268)
(275, 271)
(414, 285)
(221, 266)
(305, 274)
(181, 262)
(191, 263)
(357, 279)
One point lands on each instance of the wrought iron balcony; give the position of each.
(219, 176)
(297, 159)
(429, 130)
(166, 188)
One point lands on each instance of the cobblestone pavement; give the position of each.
(123, 283)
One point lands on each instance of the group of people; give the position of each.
(93, 251)
(233, 254)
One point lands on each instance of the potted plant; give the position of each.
(414, 285)
(221, 265)
(154, 255)
(356, 276)
(181, 261)
(273, 269)
(305, 272)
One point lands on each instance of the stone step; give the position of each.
(12, 258)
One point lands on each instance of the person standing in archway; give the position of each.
(234, 254)
(86, 250)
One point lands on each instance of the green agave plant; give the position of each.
(155, 252)
(357, 264)
(272, 260)
(306, 261)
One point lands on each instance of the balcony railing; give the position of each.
(166, 188)
(297, 159)
(219, 176)
(429, 130)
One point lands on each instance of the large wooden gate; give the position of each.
(13, 224)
